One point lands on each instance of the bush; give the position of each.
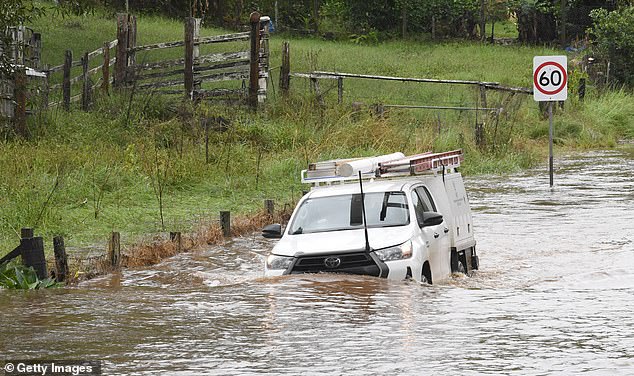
(536, 20)
(18, 276)
(613, 39)
(453, 18)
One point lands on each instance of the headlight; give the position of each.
(398, 252)
(275, 262)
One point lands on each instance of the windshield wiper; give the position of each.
(298, 231)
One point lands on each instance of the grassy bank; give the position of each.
(83, 175)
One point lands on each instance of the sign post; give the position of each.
(550, 83)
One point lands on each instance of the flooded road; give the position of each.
(555, 295)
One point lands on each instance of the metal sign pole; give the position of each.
(550, 141)
(550, 84)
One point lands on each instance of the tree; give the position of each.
(536, 21)
(497, 11)
(547, 20)
(14, 13)
(613, 40)
(19, 12)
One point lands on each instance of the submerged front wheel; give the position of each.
(426, 274)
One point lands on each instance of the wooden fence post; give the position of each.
(20, 87)
(86, 84)
(26, 232)
(318, 96)
(36, 45)
(479, 135)
(264, 58)
(175, 237)
(32, 252)
(340, 90)
(114, 249)
(269, 207)
(379, 110)
(61, 259)
(131, 40)
(6, 98)
(582, 89)
(68, 62)
(190, 25)
(47, 88)
(197, 22)
(105, 68)
(225, 223)
(196, 50)
(285, 70)
(121, 64)
(483, 96)
(18, 44)
(254, 71)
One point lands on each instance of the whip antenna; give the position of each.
(365, 223)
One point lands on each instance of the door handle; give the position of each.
(436, 235)
(446, 230)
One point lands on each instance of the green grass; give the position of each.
(83, 175)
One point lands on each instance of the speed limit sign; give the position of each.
(550, 78)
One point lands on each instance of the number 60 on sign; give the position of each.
(550, 78)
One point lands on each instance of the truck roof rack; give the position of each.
(339, 171)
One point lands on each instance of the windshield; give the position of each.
(336, 213)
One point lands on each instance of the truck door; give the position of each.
(435, 238)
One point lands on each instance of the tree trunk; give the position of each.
(482, 20)
(316, 5)
(563, 20)
(404, 18)
(492, 32)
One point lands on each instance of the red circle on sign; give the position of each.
(563, 82)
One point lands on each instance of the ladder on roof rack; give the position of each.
(329, 172)
(422, 163)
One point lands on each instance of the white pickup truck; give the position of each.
(414, 220)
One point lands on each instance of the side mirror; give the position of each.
(273, 231)
(431, 219)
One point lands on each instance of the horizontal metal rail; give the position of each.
(336, 75)
(441, 107)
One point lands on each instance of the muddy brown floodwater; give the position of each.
(555, 295)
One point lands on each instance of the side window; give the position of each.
(425, 197)
(418, 208)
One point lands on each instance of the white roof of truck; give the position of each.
(380, 168)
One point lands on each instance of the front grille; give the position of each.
(350, 263)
